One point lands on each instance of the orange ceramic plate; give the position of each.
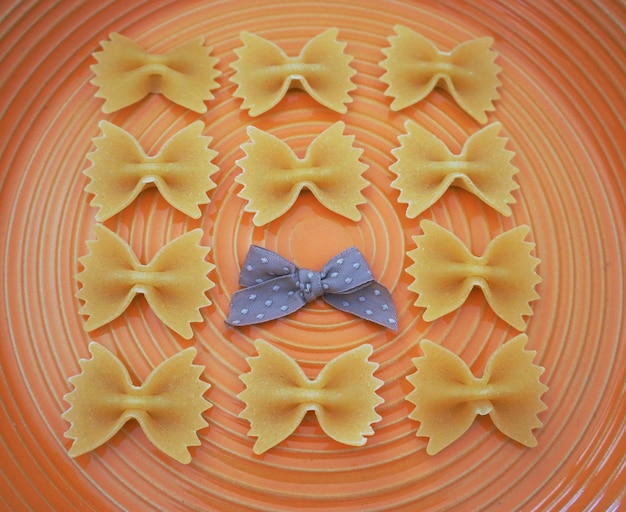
(562, 108)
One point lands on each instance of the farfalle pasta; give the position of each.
(447, 397)
(126, 73)
(414, 67)
(120, 169)
(174, 283)
(445, 272)
(425, 169)
(278, 394)
(168, 405)
(264, 73)
(273, 176)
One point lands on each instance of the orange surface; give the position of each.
(562, 109)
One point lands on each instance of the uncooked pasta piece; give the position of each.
(447, 397)
(120, 170)
(426, 169)
(445, 272)
(264, 73)
(168, 405)
(126, 73)
(174, 282)
(414, 67)
(278, 394)
(273, 176)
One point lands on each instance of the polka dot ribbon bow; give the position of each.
(275, 287)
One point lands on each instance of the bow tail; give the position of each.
(260, 87)
(512, 374)
(421, 179)
(492, 181)
(113, 182)
(371, 302)
(439, 279)
(267, 185)
(439, 396)
(348, 398)
(182, 283)
(107, 289)
(511, 289)
(192, 75)
(274, 406)
(408, 81)
(475, 89)
(97, 411)
(329, 82)
(119, 76)
(339, 182)
(187, 157)
(174, 415)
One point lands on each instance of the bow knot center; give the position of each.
(310, 284)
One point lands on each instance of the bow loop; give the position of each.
(264, 73)
(447, 397)
(278, 394)
(275, 287)
(120, 170)
(174, 282)
(168, 406)
(414, 67)
(126, 73)
(273, 177)
(425, 169)
(445, 272)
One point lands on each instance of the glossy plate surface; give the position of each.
(561, 107)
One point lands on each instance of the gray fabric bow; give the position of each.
(275, 287)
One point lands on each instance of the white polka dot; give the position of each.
(347, 280)
(236, 322)
(345, 303)
(290, 293)
(369, 312)
(276, 288)
(377, 292)
(340, 261)
(258, 281)
(244, 311)
(310, 275)
(285, 270)
(264, 260)
(361, 299)
(260, 316)
(334, 274)
(325, 286)
(391, 320)
(384, 307)
(252, 296)
(249, 268)
(268, 303)
(356, 265)
(284, 308)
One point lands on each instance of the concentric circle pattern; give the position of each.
(561, 108)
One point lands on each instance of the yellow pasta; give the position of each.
(120, 170)
(174, 282)
(126, 73)
(278, 394)
(447, 397)
(426, 169)
(168, 405)
(264, 73)
(414, 67)
(445, 272)
(273, 176)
